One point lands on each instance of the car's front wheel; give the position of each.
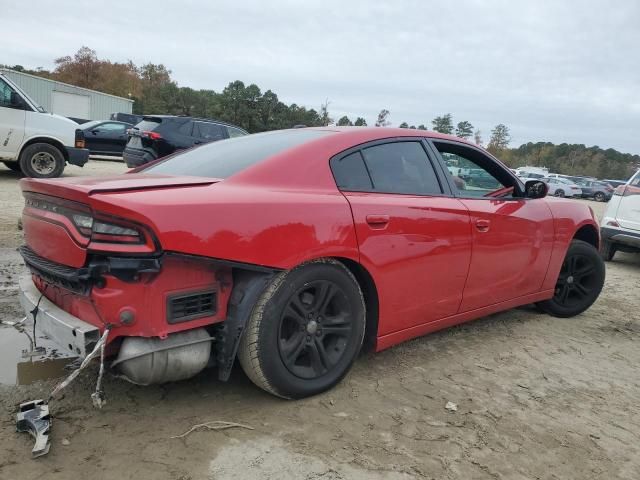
(305, 331)
(579, 283)
(608, 250)
(599, 197)
(559, 193)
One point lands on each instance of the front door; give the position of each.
(512, 236)
(12, 120)
(414, 238)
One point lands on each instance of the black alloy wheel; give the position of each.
(305, 331)
(315, 328)
(579, 283)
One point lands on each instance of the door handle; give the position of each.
(378, 221)
(483, 225)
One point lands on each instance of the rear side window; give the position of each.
(223, 159)
(401, 167)
(350, 173)
(208, 131)
(186, 128)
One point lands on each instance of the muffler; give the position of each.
(146, 361)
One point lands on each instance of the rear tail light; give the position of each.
(79, 139)
(93, 229)
(151, 135)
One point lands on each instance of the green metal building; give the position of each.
(69, 100)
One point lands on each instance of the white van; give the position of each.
(621, 223)
(37, 143)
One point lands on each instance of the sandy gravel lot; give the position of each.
(538, 398)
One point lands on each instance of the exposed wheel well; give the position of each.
(589, 234)
(370, 293)
(50, 141)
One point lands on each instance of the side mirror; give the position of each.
(17, 101)
(535, 189)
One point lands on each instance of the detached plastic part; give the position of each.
(33, 418)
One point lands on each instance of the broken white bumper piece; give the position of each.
(33, 418)
(71, 333)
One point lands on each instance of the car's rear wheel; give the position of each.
(42, 160)
(579, 283)
(599, 197)
(559, 193)
(15, 166)
(305, 331)
(608, 251)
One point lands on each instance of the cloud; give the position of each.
(551, 71)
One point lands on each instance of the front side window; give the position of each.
(235, 132)
(112, 127)
(5, 94)
(474, 174)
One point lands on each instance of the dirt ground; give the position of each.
(537, 397)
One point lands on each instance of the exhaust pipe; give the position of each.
(147, 361)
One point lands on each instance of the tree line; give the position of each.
(154, 91)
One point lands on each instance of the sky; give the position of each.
(551, 70)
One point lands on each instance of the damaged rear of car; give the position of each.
(131, 254)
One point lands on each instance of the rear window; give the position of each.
(228, 157)
(147, 125)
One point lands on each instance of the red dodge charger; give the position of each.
(293, 249)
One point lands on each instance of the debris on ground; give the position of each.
(213, 425)
(452, 407)
(33, 418)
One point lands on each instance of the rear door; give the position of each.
(12, 121)
(414, 238)
(628, 214)
(512, 236)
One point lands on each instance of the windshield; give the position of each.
(224, 158)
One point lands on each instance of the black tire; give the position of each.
(305, 331)
(579, 283)
(608, 251)
(15, 166)
(559, 193)
(42, 160)
(599, 197)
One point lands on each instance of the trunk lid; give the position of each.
(48, 226)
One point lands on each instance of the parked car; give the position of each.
(160, 135)
(621, 223)
(106, 138)
(599, 191)
(292, 248)
(32, 141)
(126, 118)
(615, 183)
(562, 187)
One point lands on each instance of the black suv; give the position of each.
(157, 136)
